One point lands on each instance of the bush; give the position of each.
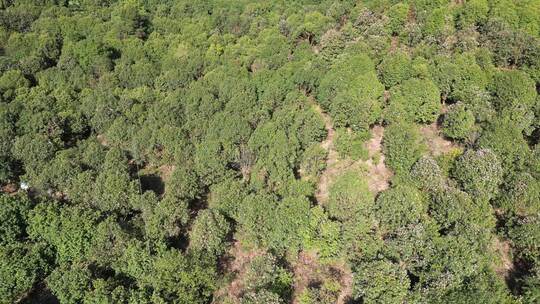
(395, 68)
(401, 147)
(399, 206)
(419, 99)
(380, 282)
(427, 175)
(512, 89)
(313, 161)
(479, 173)
(352, 97)
(458, 123)
(351, 144)
(208, 232)
(349, 195)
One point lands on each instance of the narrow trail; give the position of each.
(331, 170)
(378, 175)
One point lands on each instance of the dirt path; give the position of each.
(331, 171)
(304, 270)
(504, 266)
(378, 175)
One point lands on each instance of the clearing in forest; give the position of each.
(378, 175)
(308, 272)
(236, 263)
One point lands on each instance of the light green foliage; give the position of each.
(322, 234)
(10, 82)
(352, 98)
(313, 161)
(513, 89)
(435, 24)
(69, 230)
(349, 196)
(227, 197)
(504, 137)
(401, 147)
(532, 288)
(21, 266)
(485, 287)
(454, 209)
(399, 206)
(525, 234)
(327, 293)
(69, 284)
(472, 13)
(427, 175)
(380, 282)
(521, 194)
(395, 68)
(262, 296)
(398, 16)
(414, 100)
(208, 232)
(479, 173)
(459, 122)
(154, 133)
(459, 78)
(264, 273)
(350, 144)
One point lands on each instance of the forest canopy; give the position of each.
(250, 152)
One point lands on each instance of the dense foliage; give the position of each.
(160, 151)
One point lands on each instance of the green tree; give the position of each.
(349, 196)
(399, 206)
(395, 68)
(208, 232)
(380, 282)
(459, 122)
(352, 98)
(419, 100)
(401, 147)
(479, 173)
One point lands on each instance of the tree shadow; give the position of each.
(152, 183)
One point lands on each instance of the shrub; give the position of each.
(420, 99)
(380, 282)
(351, 144)
(479, 173)
(458, 123)
(401, 147)
(395, 68)
(427, 175)
(349, 195)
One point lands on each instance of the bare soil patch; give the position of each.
(504, 266)
(332, 159)
(308, 271)
(435, 141)
(378, 175)
(235, 263)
